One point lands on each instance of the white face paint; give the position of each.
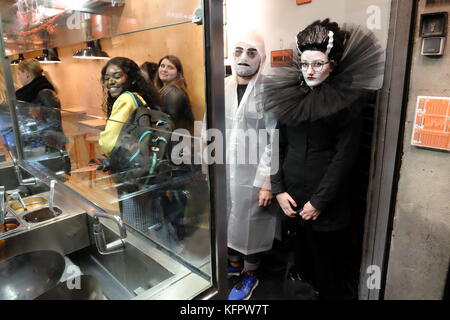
(246, 60)
(316, 67)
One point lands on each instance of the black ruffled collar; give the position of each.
(295, 102)
(361, 68)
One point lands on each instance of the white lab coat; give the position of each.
(251, 228)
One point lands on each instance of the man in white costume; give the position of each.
(251, 219)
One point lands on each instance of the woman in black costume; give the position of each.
(316, 102)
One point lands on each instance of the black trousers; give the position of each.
(174, 210)
(320, 258)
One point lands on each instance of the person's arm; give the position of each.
(121, 111)
(175, 102)
(262, 177)
(284, 199)
(277, 175)
(48, 107)
(348, 124)
(48, 98)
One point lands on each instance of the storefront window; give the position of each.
(70, 127)
(6, 128)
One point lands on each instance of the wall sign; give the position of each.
(432, 123)
(281, 58)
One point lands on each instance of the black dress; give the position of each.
(316, 160)
(319, 131)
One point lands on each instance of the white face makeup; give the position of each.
(316, 67)
(246, 60)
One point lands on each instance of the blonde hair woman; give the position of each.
(37, 87)
(2, 87)
(38, 90)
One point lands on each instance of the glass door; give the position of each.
(78, 73)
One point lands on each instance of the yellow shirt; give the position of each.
(121, 111)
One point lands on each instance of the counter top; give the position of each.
(94, 123)
(74, 109)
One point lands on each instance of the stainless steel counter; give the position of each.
(70, 234)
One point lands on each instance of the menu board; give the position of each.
(432, 123)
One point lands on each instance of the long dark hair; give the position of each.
(151, 68)
(178, 82)
(135, 83)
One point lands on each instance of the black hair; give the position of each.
(135, 82)
(315, 37)
(151, 68)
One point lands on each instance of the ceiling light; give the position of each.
(93, 51)
(18, 60)
(49, 56)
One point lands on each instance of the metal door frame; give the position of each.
(386, 154)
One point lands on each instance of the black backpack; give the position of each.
(143, 146)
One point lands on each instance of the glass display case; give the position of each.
(126, 230)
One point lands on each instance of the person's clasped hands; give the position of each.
(287, 204)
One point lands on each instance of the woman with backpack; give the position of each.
(124, 85)
(119, 76)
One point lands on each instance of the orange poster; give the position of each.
(432, 123)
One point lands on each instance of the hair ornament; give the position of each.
(330, 42)
(298, 46)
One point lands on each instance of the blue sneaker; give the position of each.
(234, 271)
(244, 288)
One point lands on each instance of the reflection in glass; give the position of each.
(169, 206)
(38, 114)
(36, 25)
(7, 141)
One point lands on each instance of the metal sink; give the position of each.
(87, 288)
(27, 276)
(123, 275)
(10, 224)
(31, 203)
(41, 215)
